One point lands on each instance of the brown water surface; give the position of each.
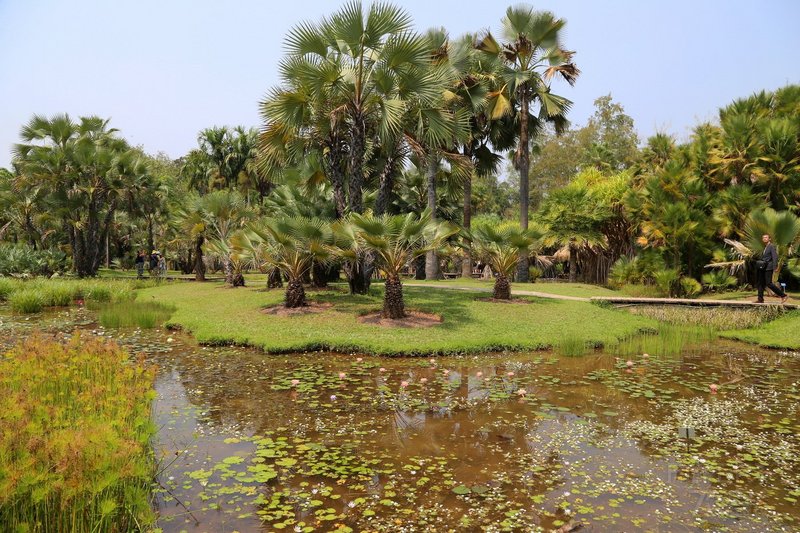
(497, 442)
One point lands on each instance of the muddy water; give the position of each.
(516, 442)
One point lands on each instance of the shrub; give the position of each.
(26, 301)
(690, 287)
(58, 294)
(534, 273)
(667, 281)
(718, 280)
(23, 260)
(74, 438)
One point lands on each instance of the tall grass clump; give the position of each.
(666, 340)
(7, 287)
(75, 436)
(717, 318)
(146, 315)
(571, 346)
(26, 301)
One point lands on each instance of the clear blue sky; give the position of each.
(164, 69)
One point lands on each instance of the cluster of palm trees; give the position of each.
(362, 93)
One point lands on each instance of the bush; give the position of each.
(667, 281)
(23, 260)
(75, 438)
(718, 280)
(690, 287)
(26, 301)
(534, 273)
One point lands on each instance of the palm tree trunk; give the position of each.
(357, 151)
(274, 279)
(573, 263)
(419, 267)
(393, 306)
(431, 257)
(199, 265)
(523, 166)
(295, 294)
(319, 275)
(466, 264)
(502, 288)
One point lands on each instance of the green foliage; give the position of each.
(75, 438)
(26, 301)
(145, 315)
(718, 280)
(22, 260)
(534, 273)
(689, 287)
(571, 346)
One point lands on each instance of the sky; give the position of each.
(162, 70)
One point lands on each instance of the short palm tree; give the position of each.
(291, 245)
(395, 241)
(501, 247)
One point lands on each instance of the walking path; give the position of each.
(616, 299)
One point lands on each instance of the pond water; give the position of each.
(498, 442)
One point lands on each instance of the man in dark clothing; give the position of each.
(140, 264)
(765, 268)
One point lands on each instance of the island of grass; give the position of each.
(217, 315)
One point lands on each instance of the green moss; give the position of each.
(217, 315)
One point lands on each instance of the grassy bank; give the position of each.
(31, 296)
(781, 333)
(214, 314)
(74, 438)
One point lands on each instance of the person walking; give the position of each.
(139, 264)
(765, 268)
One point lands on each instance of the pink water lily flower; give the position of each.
(404, 384)
(645, 355)
(479, 374)
(446, 371)
(295, 382)
(522, 392)
(358, 360)
(713, 388)
(381, 369)
(423, 380)
(629, 363)
(342, 375)
(510, 374)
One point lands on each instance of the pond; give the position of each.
(498, 442)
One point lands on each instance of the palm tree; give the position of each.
(531, 57)
(221, 213)
(87, 171)
(347, 84)
(573, 220)
(395, 241)
(501, 247)
(291, 245)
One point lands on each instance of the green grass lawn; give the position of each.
(581, 290)
(214, 314)
(781, 333)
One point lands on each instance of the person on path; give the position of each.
(765, 269)
(153, 263)
(162, 267)
(139, 264)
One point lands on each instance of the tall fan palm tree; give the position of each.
(347, 84)
(531, 56)
(222, 213)
(395, 241)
